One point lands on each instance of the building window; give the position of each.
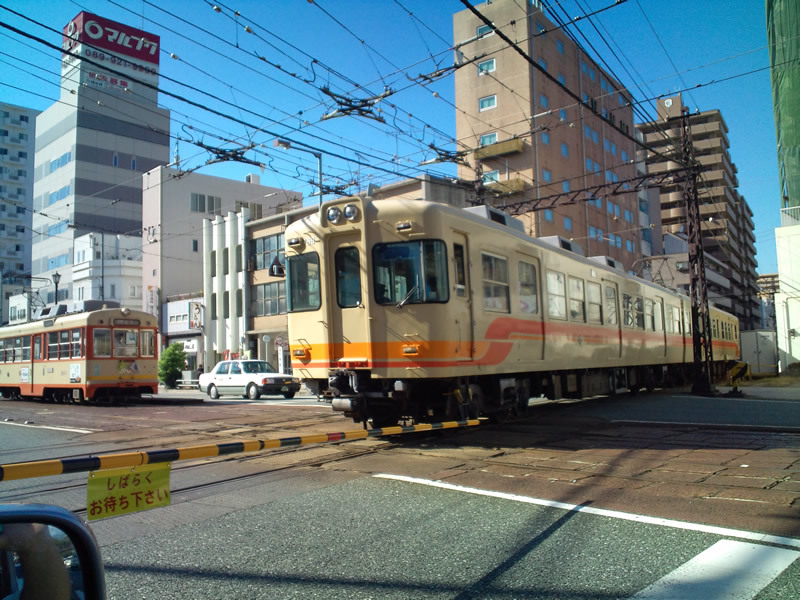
(484, 30)
(543, 63)
(115, 160)
(133, 164)
(488, 139)
(548, 214)
(565, 186)
(545, 138)
(226, 305)
(544, 101)
(564, 150)
(491, 176)
(562, 115)
(195, 246)
(198, 202)
(567, 223)
(265, 251)
(546, 175)
(488, 102)
(269, 299)
(560, 46)
(562, 80)
(487, 66)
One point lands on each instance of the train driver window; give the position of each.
(594, 303)
(577, 300)
(495, 283)
(528, 288)
(125, 342)
(101, 342)
(303, 279)
(556, 295)
(348, 277)
(148, 342)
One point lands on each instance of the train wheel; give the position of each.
(213, 393)
(252, 392)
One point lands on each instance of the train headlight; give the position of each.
(334, 215)
(351, 212)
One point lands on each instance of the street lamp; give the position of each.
(286, 144)
(56, 279)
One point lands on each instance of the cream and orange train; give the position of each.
(406, 309)
(107, 354)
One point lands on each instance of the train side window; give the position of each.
(495, 283)
(101, 342)
(611, 306)
(17, 349)
(460, 270)
(627, 310)
(577, 300)
(52, 344)
(528, 288)
(37, 347)
(26, 347)
(77, 347)
(594, 303)
(2, 350)
(649, 318)
(638, 309)
(148, 342)
(63, 343)
(676, 320)
(348, 277)
(556, 295)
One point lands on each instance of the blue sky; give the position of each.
(270, 82)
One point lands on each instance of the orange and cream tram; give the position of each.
(413, 310)
(109, 354)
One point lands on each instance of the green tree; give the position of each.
(171, 363)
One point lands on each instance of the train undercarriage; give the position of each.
(103, 395)
(387, 402)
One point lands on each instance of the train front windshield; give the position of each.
(410, 272)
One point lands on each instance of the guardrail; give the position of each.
(62, 466)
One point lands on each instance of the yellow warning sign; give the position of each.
(115, 492)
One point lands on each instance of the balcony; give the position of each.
(511, 186)
(500, 149)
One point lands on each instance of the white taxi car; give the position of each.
(247, 378)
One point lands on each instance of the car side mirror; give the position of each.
(48, 552)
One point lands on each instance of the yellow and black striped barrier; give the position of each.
(61, 466)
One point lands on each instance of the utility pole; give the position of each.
(701, 321)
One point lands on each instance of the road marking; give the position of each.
(788, 428)
(728, 569)
(602, 512)
(769, 400)
(47, 427)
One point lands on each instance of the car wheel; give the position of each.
(252, 392)
(288, 395)
(213, 393)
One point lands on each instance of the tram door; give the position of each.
(612, 317)
(350, 339)
(659, 325)
(461, 298)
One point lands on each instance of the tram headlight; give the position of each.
(334, 215)
(351, 212)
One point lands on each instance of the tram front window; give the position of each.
(302, 277)
(126, 343)
(410, 272)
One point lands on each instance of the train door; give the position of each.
(529, 347)
(613, 320)
(461, 298)
(348, 323)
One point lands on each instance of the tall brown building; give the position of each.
(727, 220)
(558, 125)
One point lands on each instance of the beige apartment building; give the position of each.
(531, 131)
(727, 220)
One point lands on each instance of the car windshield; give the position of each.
(257, 366)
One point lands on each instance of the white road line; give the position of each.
(47, 427)
(728, 569)
(614, 514)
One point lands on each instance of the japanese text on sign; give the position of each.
(126, 490)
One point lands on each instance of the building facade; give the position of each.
(17, 138)
(726, 218)
(559, 125)
(93, 145)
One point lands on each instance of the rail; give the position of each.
(62, 466)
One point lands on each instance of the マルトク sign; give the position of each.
(115, 37)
